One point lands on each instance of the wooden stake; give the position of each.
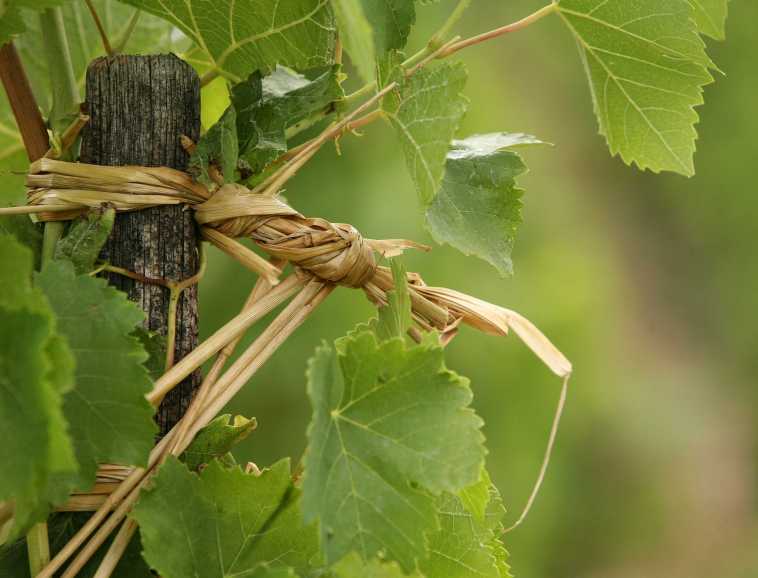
(139, 107)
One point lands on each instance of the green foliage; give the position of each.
(241, 37)
(353, 565)
(217, 439)
(12, 14)
(155, 347)
(253, 129)
(478, 207)
(218, 147)
(426, 112)
(371, 28)
(395, 319)
(85, 239)
(110, 419)
(61, 528)
(394, 481)
(391, 426)
(286, 99)
(25, 232)
(647, 67)
(391, 22)
(710, 16)
(356, 33)
(232, 522)
(35, 372)
(467, 544)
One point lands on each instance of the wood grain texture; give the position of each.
(139, 107)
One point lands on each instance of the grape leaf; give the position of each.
(352, 566)
(62, 526)
(391, 426)
(85, 239)
(11, 19)
(218, 147)
(36, 369)
(646, 66)
(11, 22)
(467, 546)
(391, 22)
(110, 419)
(217, 439)
(395, 319)
(475, 497)
(155, 347)
(478, 207)
(710, 16)
(240, 36)
(223, 522)
(426, 113)
(285, 99)
(357, 35)
(25, 232)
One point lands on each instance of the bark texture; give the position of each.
(139, 106)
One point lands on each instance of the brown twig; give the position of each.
(24, 105)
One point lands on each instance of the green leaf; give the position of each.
(85, 239)
(478, 207)
(353, 566)
(647, 67)
(475, 497)
(217, 439)
(241, 36)
(466, 545)
(11, 22)
(25, 231)
(11, 19)
(268, 107)
(231, 522)
(391, 22)
(36, 369)
(217, 147)
(111, 421)
(391, 427)
(426, 114)
(395, 319)
(61, 528)
(357, 35)
(710, 16)
(155, 347)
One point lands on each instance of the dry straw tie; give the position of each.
(323, 255)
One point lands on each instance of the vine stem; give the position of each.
(100, 28)
(39, 548)
(432, 51)
(508, 28)
(452, 20)
(437, 40)
(65, 98)
(120, 43)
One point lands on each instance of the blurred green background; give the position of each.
(648, 283)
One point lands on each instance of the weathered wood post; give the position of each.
(139, 106)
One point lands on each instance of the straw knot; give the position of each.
(334, 252)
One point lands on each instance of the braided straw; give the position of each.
(333, 252)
